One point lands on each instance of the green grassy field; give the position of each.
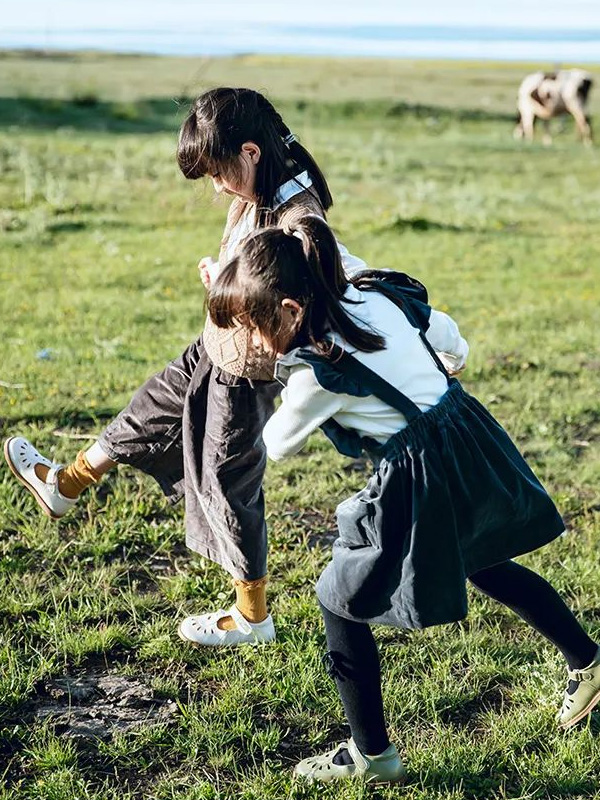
(100, 237)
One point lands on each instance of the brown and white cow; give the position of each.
(550, 94)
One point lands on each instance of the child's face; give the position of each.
(243, 184)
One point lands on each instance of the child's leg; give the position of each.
(535, 601)
(353, 661)
(87, 468)
(250, 600)
(225, 460)
(146, 434)
(539, 604)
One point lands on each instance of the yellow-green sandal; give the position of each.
(586, 696)
(384, 768)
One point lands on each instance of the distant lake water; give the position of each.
(553, 46)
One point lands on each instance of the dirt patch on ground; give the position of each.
(321, 528)
(96, 705)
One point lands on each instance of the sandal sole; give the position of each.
(46, 509)
(193, 643)
(582, 714)
(399, 781)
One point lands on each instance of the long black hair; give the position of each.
(218, 124)
(302, 263)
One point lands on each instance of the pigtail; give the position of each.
(300, 156)
(300, 261)
(297, 154)
(305, 161)
(328, 308)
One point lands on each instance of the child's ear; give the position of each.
(293, 308)
(252, 151)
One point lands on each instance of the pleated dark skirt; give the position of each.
(452, 495)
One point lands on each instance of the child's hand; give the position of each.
(454, 364)
(208, 270)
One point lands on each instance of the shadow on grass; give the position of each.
(88, 112)
(422, 224)
(422, 111)
(496, 228)
(67, 418)
(500, 783)
(465, 713)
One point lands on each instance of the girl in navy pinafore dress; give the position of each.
(451, 498)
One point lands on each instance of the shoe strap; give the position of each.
(240, 620)
(362, 765)
(580, 675)
(52, 478)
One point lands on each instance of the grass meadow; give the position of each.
(99, 240)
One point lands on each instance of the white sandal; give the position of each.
(203, 630)
(22, 457)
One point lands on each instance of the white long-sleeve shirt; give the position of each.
(405, 363)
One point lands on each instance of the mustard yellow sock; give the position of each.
(74, 478)
(251, 602)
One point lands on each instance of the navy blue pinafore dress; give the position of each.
(450, 495)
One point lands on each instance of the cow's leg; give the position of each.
(590, 140)
(528, 122)
(583, 126)
(518, 130)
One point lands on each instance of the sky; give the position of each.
(72, 14)
(337, 27)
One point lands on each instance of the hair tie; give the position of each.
(291, 137)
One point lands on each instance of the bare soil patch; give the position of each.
(95, 705)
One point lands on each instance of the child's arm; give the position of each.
(352, 264)
(304, 406)
(444, 335)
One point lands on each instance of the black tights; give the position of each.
(353, 659)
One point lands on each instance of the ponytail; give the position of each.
(301, 262)
(329, 311)
(297, 157)
(300, 156)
